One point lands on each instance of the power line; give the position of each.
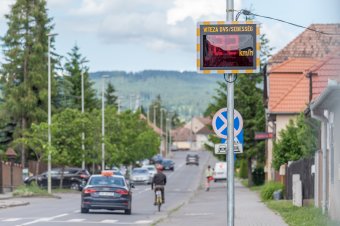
(248, 13)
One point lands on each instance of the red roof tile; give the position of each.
(289, 87)
(329, 68)
(310, 44)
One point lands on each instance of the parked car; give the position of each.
(220, 171)
(152, 170)
(157, 159)
(72, 178)
(168, 164)
(192, 159)
(140, 176)
(106, 191)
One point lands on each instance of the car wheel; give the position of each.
(75, 186)
(128, 211)
(84, 210)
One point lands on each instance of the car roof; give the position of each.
(148, 166)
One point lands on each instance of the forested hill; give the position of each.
(186, 92)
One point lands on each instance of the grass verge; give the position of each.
(34, 190)
(29, 191)
(300, 216)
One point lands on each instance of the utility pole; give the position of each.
(230, 152)
(154, 114)
(161, 125)
(49, 158)
(82, 111)
(103, 122)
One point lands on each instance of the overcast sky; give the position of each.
(134, 35)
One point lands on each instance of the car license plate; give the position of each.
(106, 193)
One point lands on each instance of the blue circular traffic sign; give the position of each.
(220, 123)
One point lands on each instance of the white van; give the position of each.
(220, 171)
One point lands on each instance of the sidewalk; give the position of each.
(7, 200)
(210, 208)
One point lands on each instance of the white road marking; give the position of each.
(198, 214)
(108, 221)
(143, 222)
(44, 219)
(76, 220)
(12, 219)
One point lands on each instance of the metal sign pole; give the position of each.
(230, 152)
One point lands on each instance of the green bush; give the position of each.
(243, 169)
(258, 176)
(268, 190)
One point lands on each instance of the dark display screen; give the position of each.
(225, 50)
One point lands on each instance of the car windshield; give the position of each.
(107, 181)
(139, 171)
(151, 168)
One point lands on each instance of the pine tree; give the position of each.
(25, 47)
(110, 97)
(75, 68)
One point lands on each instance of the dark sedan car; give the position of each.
(192, 159)
(72, 178)
(168, 164)
(106, 191)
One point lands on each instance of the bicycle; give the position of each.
(159, 200)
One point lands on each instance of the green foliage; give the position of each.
(243, 169)
(66, 131)
(268, 190)
(75, 67)
(110, 97)
(258, 176)
(297, 140)
(297, 216)
(24, 72)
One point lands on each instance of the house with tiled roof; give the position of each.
(297, 76)
(193, 135)
(292, 82)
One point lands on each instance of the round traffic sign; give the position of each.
(220, 123)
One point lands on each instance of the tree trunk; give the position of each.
(250, 175)
(37, 169)
(62, 177)
(23, 149)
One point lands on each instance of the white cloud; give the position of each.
(198, 9)
(277, 34)
(5, 7)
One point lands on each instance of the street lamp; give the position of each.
(49, 184)
(161, 124)
(82, 111)
(11, 155)
(154, 114)
(103, 121)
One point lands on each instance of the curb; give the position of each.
(3, 206)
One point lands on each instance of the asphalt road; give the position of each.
(182, 183)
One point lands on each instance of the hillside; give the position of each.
(189, 93)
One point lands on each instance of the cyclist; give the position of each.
(209, 175)
(159, 181)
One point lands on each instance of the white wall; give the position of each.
(334, 199)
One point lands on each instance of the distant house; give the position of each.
(192, 135)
